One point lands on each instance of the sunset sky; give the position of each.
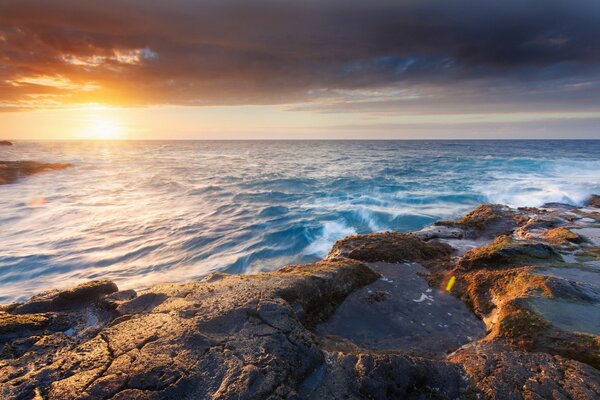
(72, 69)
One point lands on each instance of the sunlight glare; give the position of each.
(102, 128)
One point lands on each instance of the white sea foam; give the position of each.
(562, 181)
(140, 213)
(332, 231)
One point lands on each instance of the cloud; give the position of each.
(333, 56)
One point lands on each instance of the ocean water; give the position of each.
(146, 212)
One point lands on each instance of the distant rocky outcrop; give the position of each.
(11, 171)
(5, 143)
(502, 304)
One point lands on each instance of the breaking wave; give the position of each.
(145, 212)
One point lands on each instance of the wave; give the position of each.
(562, 181)
(331, 232)
(139, 213)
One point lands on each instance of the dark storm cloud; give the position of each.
(446, 53)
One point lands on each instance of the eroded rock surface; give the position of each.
(390, 247)
(11, 171)
(401, 312)
(515, 292)
(501, 372)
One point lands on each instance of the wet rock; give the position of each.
(381, 376)
(440, 232)
(505, 252)
(121, 295)
(561, 236)
(593, 201)
(401, 312)
(389, 247)
(559, 206)
(238, 336)
(10, 323)
(486, 220)
(56, 300)
(536, 312)
(11, 171)
(526, 279)
(503, 372)
(590, 234)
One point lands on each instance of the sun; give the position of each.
(102, 128)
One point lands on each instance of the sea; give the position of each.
(145, 212)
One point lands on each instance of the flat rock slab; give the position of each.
(401, 312)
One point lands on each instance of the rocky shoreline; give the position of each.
(12, 171)
(501, 304)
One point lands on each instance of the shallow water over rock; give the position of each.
(401, 312)
(576, 274)
(569, 315)
(592, 234)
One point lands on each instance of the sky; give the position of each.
(314, 69)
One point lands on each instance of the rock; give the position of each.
(382, 376)
(486, 220)
(239, 336)
(389, 247)
(440, 232)
(559, 206)
(525, 313)
(10, 323)
(400, 312)
(57, 300)
(5, 143)
(593, 201)
(536, 312)
(505, 252)
(561, 236)
(502, 372)
(11, 171)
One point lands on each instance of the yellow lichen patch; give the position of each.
(505, 252)
(560, 236)
(481, 289)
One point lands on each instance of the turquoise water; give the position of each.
(146, 212)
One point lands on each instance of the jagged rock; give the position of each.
(388, 247)
(486, 220)
(536, 288)
(56, 300)
(440, 232)
(239, 336)
(5, 143)
(593, 201)
(525, 308)
(502, 372)
(505, 252)
(362, 375)
(561, 236)
(11, 171)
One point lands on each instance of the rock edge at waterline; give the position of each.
(530, 275)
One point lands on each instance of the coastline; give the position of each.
(530, 276)
(12, 171)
